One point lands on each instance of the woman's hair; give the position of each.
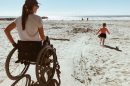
(27, 9)
(104, 24)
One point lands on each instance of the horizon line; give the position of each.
(80, 16)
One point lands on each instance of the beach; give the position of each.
(83, 61)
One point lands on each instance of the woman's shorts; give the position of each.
(102, 35)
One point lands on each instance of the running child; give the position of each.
(102, 34)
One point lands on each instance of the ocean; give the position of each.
(89, 17)
(109, 17)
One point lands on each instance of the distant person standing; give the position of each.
(102, 34)
(82, 19)
(87, 19)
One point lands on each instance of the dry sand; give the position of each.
(83, 61)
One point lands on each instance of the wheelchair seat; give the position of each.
(28, 50)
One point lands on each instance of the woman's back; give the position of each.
(31, 28)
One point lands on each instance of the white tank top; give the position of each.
(31, 28)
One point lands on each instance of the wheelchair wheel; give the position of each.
(25, 80)
(15, 70)
(46, 65)
(53, 82)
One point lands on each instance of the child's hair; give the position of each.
(104, 24)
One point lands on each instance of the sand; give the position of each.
(83, 61)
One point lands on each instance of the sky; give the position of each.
(69, 7)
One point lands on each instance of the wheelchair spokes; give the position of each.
(14, 70)
(46, 70)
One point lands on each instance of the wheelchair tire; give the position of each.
(13, 70)
(25, 80)
(45, 72)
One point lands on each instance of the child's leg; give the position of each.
(100, 40)
(103, 41)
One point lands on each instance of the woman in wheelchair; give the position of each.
(33, 47)
(30, 30)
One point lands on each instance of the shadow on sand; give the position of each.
(115, 48)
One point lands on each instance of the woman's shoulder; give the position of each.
(17, 19)
(35, 16)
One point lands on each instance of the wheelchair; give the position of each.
(23, 81)
(43, 56)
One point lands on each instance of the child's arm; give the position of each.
(98, 31)
(108, 31)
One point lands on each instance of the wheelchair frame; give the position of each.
(46, 65)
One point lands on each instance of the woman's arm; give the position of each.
(41, 33)
(7, 31)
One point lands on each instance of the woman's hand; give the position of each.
(14, 45)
